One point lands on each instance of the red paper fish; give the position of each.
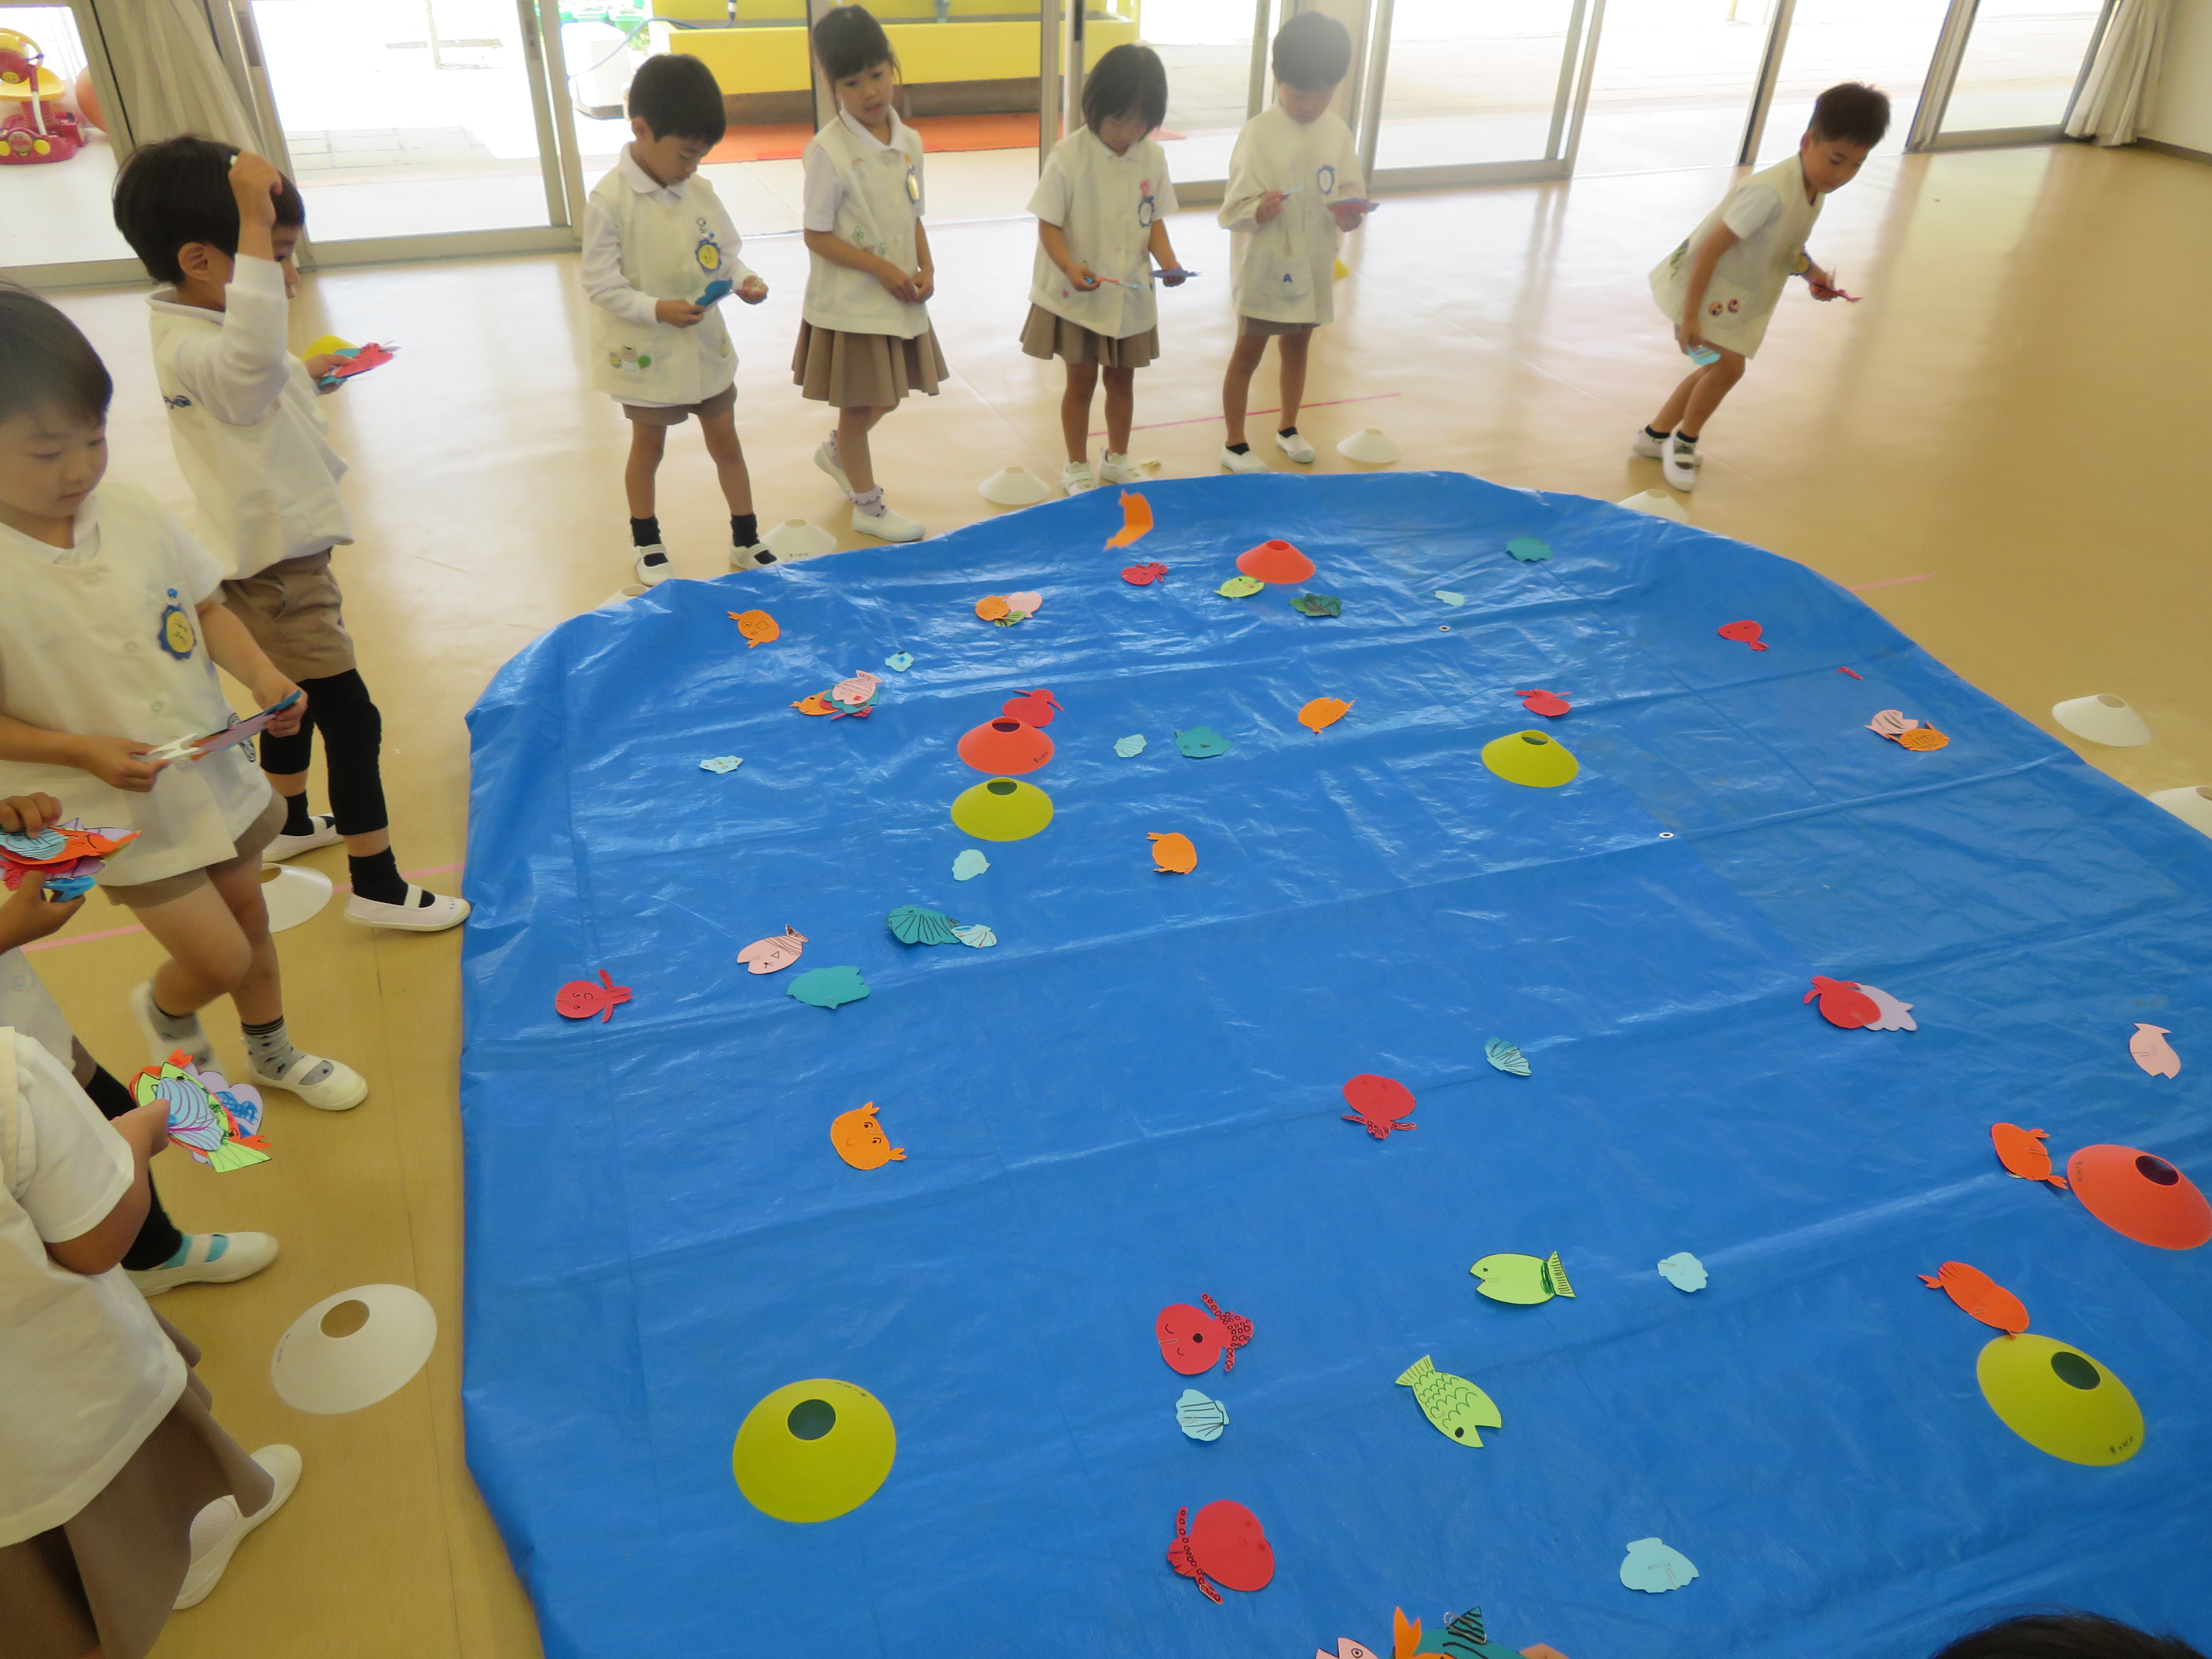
(1378, 1104)
(1191, 1340)
(1842, 1003)
(1853, 672)
(1979, 1294)
(1033, 707)
(1549, 704)
(2022, 1151)
(369, 357)
(1137, 575)
(1747, 631)
(1227, 1544)
(580, 999)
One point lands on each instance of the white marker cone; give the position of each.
(1658, 503)
(1372, 445)
(1015, 486)
(796, 539)
(2192, 806)
(2103, 718)
(367, 1352)
(293, 894)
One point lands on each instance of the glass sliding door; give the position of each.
(1672, 82)
(1462, 90)
(1216, 54)
(2017, 76)
(1886, 43)
(55, 223)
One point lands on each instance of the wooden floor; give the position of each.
(2002, 447)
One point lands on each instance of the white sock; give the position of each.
(212, 1524)
(870, 502)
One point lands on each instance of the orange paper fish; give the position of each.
(817, 704)
(1136, 520)
(2022, 1151)
(1322, 712)
(1406, 1638)
(1173, 854)
(758, 626)
(861, 1141)
(1979, 1294)
(991, 607)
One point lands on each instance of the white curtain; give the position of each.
(168, 73)
(2118, 100)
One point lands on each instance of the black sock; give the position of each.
(1682, 441)
(744, 528)
(1240, 449)
(298, 820)
(1655, 434)
(377, 877)
(1286, 431)
(644, 532)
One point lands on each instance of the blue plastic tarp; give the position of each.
(1134, 1099)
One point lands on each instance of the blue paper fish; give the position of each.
(828, 988)
(1200, 1418)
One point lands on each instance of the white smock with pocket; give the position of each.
(868, 193)
(1105, 206)
(645, 242)
(1769, 211)
(1284, 270)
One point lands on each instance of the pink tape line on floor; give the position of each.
(133, 927)
(1195, 420)
(1896, 581)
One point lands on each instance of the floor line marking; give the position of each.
(134, 928)
(1896, 582)
(1196, 420)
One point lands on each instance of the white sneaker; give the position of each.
(219, 1529)
(1248, 462)
(750, 558)
(324, 834)
(1647, 447)
(1076, 477)
(1293, 444)
(159, 1048)
(1121, 469)
(341, 1091)
(651, 565)
(827, 463)
(444, 910)
(244, 1254)
(887, 525)
(1680, 466)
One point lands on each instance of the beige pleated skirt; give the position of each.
(110, 1573)
(865, 371)
(1047, 334)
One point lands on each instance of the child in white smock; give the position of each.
(109, 644)
(863, 337)
(1720, 287)
(1293, 191)
(1099, 204)
(656, 243)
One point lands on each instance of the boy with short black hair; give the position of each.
(1294, 189)
(1721, 285)
(656, 240)
(218, 225)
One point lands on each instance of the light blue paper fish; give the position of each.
(899, 661)
(1131, 745)
(970, 865)
(1652, 1567)
(1683, 1271)
(1200, 1418)
(1450, 598)
(721, 763)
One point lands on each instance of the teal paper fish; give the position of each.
(1318, 605)
(1654, 1567)
(828, 988)
(1454, 1405)
(1529, 549)
(1526, 1280)
(911, 925)
(1200, 1418)
(1464, 1637)
(1506, 1057)
(1201, 741)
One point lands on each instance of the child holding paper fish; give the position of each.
(1099, 204)
(660, 253)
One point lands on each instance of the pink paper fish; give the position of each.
(2152, 1052)
(856, 691)
(1028, 603)
(765, 956)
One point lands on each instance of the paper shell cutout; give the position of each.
(910, 924)
(1202, 743)
(2023, 1153)
(580, 999)
(1979, 1294)
(1526, 1281)
(1379, 1104)
(1909, 733)
(975, 934)
(813, 1450)
(1034, 708)
(1318, 605)
(1004, 809)
(1192, 1339)
(315, 1371)
(758, 626)
(1683, 1271)
(777, 950)
(1172, 854)
(1136, 520)
(1143, 575)
(1005, 746)
(1529, 549)
(1201, 1417)
(1744, 633)
(1506, 1057)
(1241, 587)
(1275, 561)
(1651, 1566)
(1323, 713)
(2140, 1195)
(1132, 745)
(1223, 1545)
(861, 1141)
(1549, 704)
(1530, 759)
(970, 865)
(2152, 1052)
(1452, 1404)
(217, 1121)
(2059, 1400)
(828, 988)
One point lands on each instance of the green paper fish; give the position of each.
(827, 988)
(1318, 605)
(1200, 741)
(1525, 1279)
(1529, 549)
(1454, 1405)
(1240, 587)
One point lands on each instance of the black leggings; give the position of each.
(353, 734)
(158, 1238)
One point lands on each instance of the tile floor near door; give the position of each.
(2001, 447)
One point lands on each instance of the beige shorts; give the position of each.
(676, 413)
(1258, 328)
(295, 611)
(1047, 334)
(145, 895)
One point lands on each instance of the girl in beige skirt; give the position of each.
(1099, 204)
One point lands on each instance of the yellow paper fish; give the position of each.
(1454, 1405)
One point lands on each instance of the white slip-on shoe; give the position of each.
(1646, 446)
(324, 834)
(1076, 477)
(219, 1529)
(887, 525)
(1679, 464)
(244, 1254)
(1121, 469)
(341, 1089)
(750, 558)
(159, 1048)
(423, 911)
(1248, 462)
(827, 463)
(1293, 444)
(651, 565)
